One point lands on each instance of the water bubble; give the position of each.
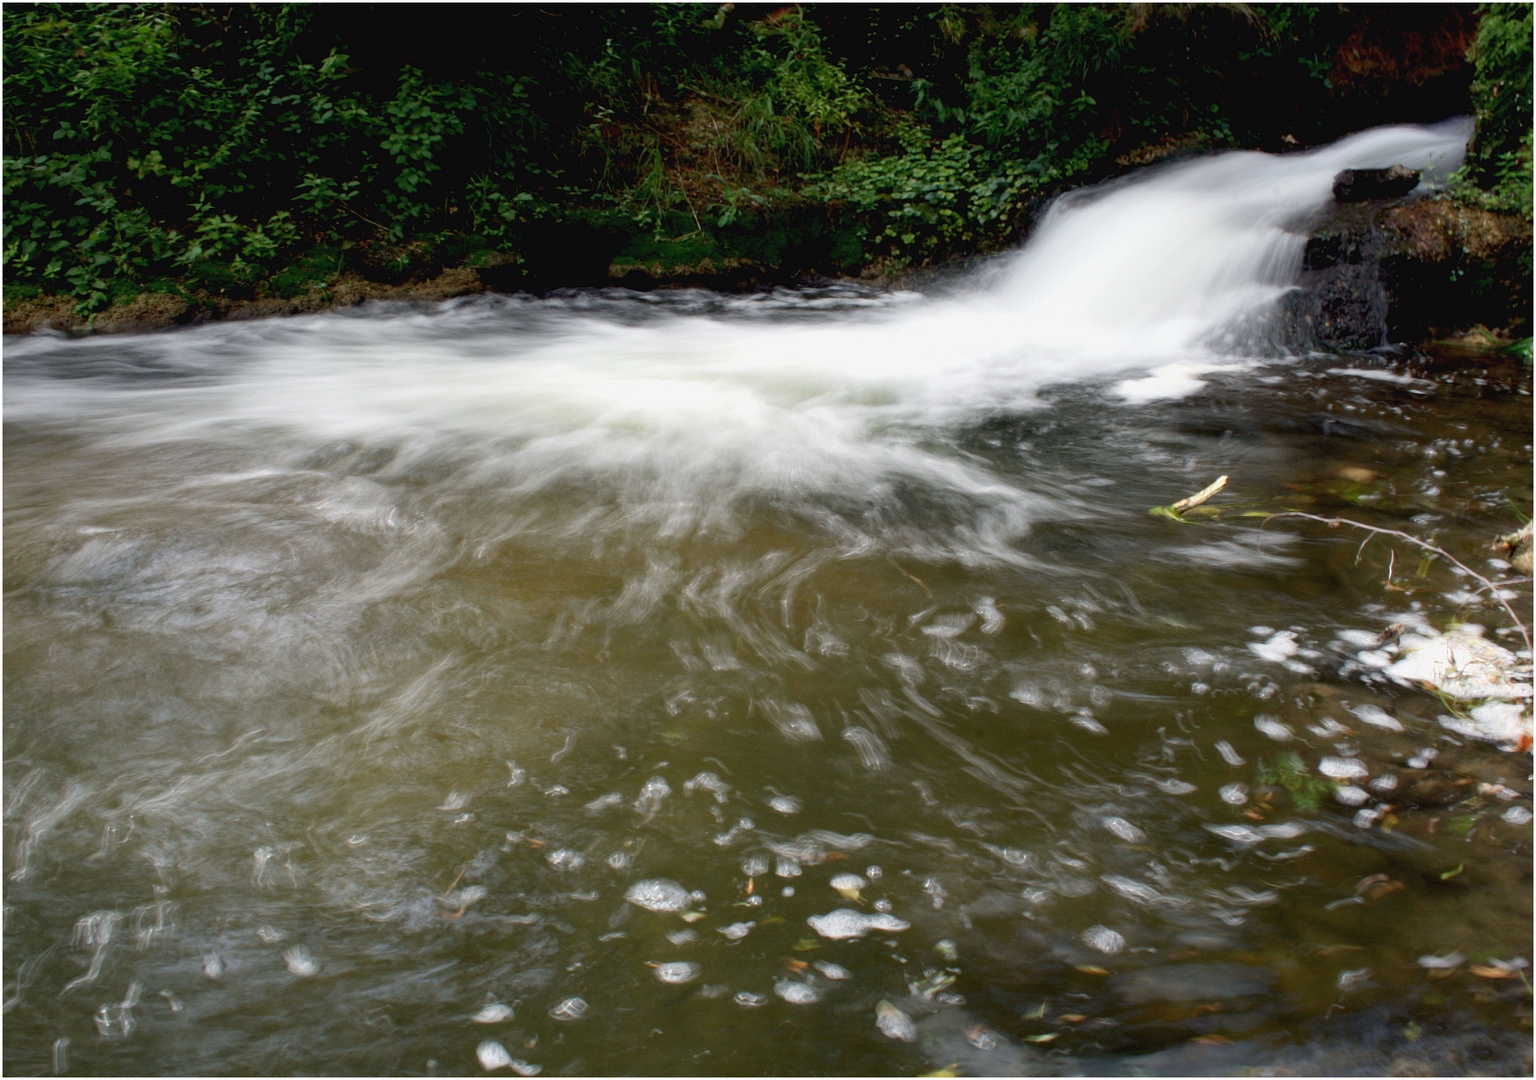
(831, 970)
(495, 1013)
(848, 885)
(1229, 755)
(1517, 815)
(787, 867)
(1341, 768)
(565, 859)
(493, 1055)
(679, 971)
(1174, 787)
(456, 800)
(1084, 719)
(749, 1000)
(1441, 963)
(1234, 794)
(1136, 890)
(652, 794)
(982, 1038)
(1125, 830)
(1377, 717)
(1272, 727)
(991, 617)
(270, 934)
(742, 825)
(1103, 939)
(213, 965)
(754, 865)
(517, 775)
(522, 1068)
(557, 791)
(1283, 830)
(785, 804)
(658, 894)
(883, 905)
(1240, 834)
(620, 860)
(604, 802)
(796, 993)
(893, 1023)
(301, 962)
(737, 930)
(874, 873)
(114, 1021)
(572, 1008)
(787, 891)
(708, 781)
(846, 923)
(794, 721)
(683, 937)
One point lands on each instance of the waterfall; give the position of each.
(1171, 260)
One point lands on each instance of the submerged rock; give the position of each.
(1192, 982)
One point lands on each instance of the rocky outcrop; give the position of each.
(1359, 185)
(1408, 270)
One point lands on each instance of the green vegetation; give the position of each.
(1290, 774)
(264, 150)
(1497, 174)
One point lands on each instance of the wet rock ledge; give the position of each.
(1412, 269)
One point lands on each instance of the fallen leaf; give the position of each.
(1452, 873)
(1089, 969)
(1213, 1040)
(1488, 971)
(1071, 1018)
(1043, 1038)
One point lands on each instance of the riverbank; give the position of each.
(1404, 270)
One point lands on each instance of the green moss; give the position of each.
(1289, 773)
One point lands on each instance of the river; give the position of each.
(786, 683)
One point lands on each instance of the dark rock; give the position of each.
(1374, 273)
(1358, 185)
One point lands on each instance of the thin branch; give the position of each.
(1433, 549)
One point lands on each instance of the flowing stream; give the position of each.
(786, 683)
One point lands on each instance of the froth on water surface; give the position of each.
(595, 684)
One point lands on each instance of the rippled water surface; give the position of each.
(782, 684)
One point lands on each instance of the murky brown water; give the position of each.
(332, 719)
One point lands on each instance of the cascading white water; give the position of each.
(1165, 262)
(683, 415)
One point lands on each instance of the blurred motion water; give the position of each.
(619, 683)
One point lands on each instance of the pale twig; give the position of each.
(1199, 497)
(1433, 549)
